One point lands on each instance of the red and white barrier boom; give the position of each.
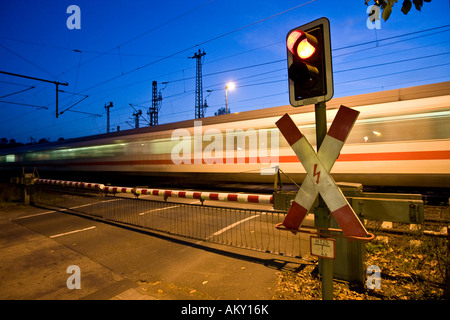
(74, 184)
(200, 195)
(318, 178)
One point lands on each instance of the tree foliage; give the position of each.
(221, 111)
(12, 143)
(387, 5)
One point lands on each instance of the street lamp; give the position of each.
(231, 86)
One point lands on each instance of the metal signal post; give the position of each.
(341, 251)
(310, 82)
(322, 214)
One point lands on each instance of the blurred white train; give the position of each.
(401, 138)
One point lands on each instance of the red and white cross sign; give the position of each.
(318, 179)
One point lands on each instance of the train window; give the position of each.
(109, 150)
(405, 128)
(76, 153)
(37, 156)
(248, 139)
(267, 137)
(161, 146)
(309, 131)
(240, 140)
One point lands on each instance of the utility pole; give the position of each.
(107, 107)
(200, 107)
(153, 111)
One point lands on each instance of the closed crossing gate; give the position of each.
(244, 228)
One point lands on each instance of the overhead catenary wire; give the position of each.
(337, 71)
(24, 104)
(112, 49)
(390, 38)
(364, 44)
(171, 20)
(17, 92)
(285, 91)
(198, 45)
(283, 60)
(341, 48)
(27, 60)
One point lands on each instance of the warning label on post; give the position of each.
(323, 247)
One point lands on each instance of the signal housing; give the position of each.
(310, 63)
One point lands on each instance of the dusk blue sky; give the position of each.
(123, 46)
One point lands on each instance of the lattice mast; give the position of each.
(153, 111)
(200, 107)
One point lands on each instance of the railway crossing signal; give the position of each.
(309, 63)
(318, 178)
(319, 181)
(311, 82)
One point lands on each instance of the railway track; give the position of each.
(436, 224)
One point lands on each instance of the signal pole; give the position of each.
(311, 81)
(321, 213)
(200, 107)
(107, 107)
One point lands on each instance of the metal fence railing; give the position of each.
(244, 228)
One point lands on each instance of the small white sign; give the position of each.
(323, 247)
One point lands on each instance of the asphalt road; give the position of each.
(38, 245)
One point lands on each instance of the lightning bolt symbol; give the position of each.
(316, 173)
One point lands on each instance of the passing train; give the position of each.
(401, 138)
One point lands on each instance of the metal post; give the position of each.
(57, 112)
(136, 118)
(447, 266)
(107, 107)
(321, 214)
(153, 111)
(199, 106)
(226, 100)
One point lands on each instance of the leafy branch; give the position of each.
(387, 5)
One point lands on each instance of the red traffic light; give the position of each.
(305, 50)
(301, 44)
(309, 63)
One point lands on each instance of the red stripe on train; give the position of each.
(385, 156)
